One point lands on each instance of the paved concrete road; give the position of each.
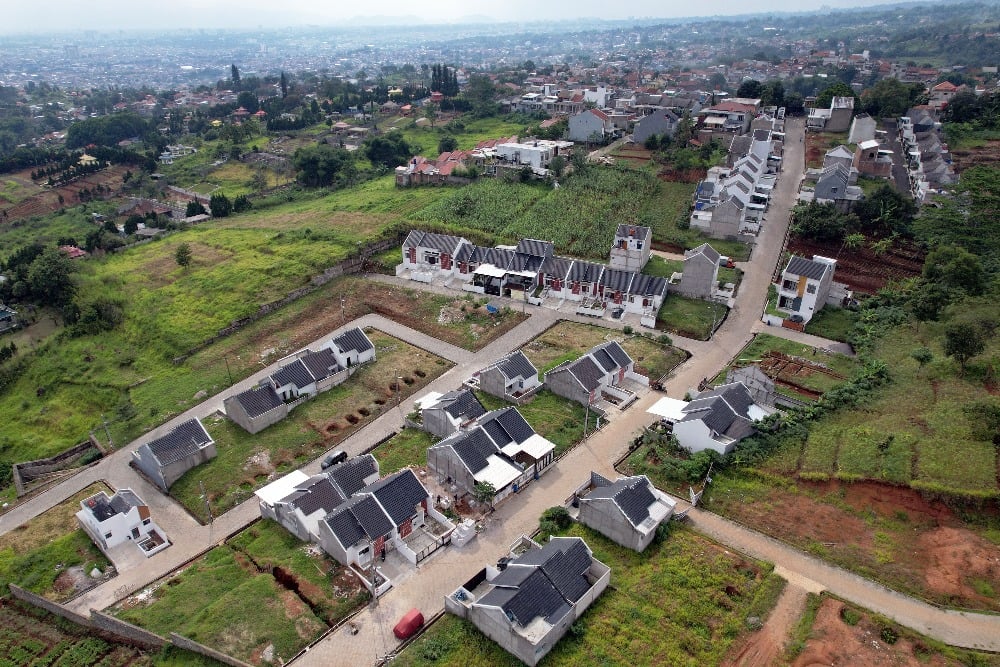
(445, 570)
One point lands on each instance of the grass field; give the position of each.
(245, 462)
(406, 448)
(924, 441)
(475, 131)
(567, 341)
(233, 599)
(31, 636)
(35, 554)
(833, 323)
(692, 318)
(666, 606)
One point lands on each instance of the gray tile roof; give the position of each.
(321, 364)
(353, 339)
(350, 475)
(441, 242)
(555, 581)
(586, 372)
(636, 231)
(557, 267)
(462, 404)
(644, 285)
(506, 425)
(617, 353)
(316, 493)
(295, 374)
(516, 365)
(259, 400)
(617, 280)
(371, 517)
(399, 494)
(634, 499)
(800, 266)
(585, 272)
(186, 439)
(472, 447)
(704, 250)
(524, 262)
(603, 359)
(535, 247)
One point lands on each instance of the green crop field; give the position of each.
(665, 606)
(31, 636)
(914, 432)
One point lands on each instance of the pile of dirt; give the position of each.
(834, 642)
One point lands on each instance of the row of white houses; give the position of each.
(511, 271)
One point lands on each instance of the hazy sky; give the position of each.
(61, 15)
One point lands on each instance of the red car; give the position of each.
(409, 624)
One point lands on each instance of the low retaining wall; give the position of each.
(30, 471)
(49, 606)
(189, 644)
(130, 634)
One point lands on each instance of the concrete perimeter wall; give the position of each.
(189, 644)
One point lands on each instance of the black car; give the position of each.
(333, 459)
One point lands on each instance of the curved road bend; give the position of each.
(439, 575)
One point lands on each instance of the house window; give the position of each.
(145, 522)
(811, 289)
(788, 284)
(638, 245)
(107, 536)
(834, 189)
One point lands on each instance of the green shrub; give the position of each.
(849, 616)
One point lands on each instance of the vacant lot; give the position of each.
(567, 341)
(683, 601)
(833, 323)
(247, 462)
(692, 318)
(51, 555)
(834, 633)
(262, 593)
(30, 636)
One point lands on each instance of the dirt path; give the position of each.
(766, 646)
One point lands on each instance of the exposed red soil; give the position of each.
(47, 200)
(929, 551)
(861, 269)
(835, 643)
(985, 155)
(764, 647)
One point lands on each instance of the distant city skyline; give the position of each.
(60, 16)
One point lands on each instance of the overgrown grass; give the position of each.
(692, 318)
(558, 419)
(245, 462)
(406, 448)
(220, 602)
(666, 606)
(802, 629)
(37, 552)
(567, 341)
(833, 323)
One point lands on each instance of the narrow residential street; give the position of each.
(426, 586)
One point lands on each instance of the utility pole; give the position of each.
(208, 510)
(343, 314)
(228, 372)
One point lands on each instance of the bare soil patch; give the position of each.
(764, 647)
(45, 200)
(861, 269)
(892, 533)
(987, 155)
(834, 642)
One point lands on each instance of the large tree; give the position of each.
(321, 165)
(963, 341)
(50, 278)
(390, 150)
